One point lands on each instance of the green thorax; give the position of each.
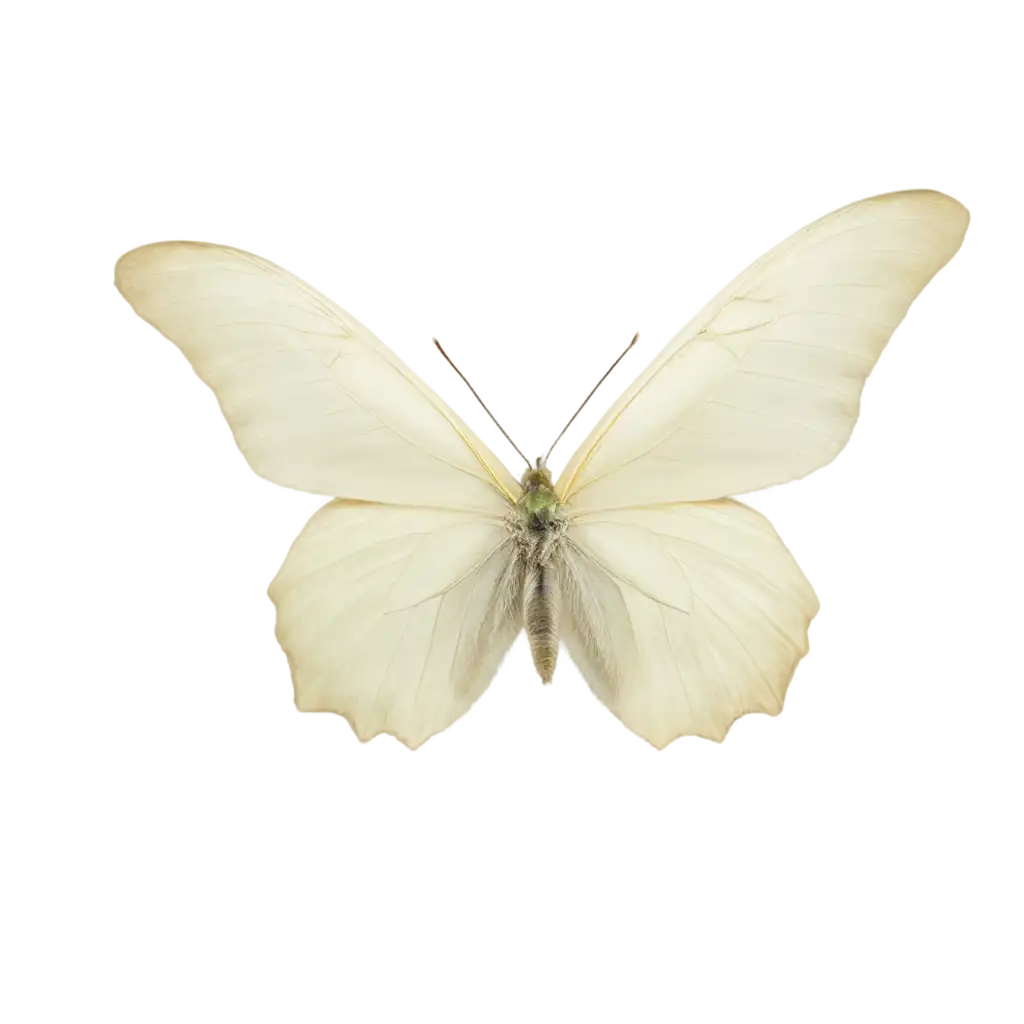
(538, 500)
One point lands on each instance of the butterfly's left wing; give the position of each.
(393, 606)
(314, 400)
(396, 617)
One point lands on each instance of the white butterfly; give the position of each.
(681, 607)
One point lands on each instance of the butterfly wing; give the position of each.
(314, 400)
(683, 617)
(396, 617)
(393, 605)
(764, 384)
(684, 611)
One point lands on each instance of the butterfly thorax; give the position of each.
(539, 504)
(539, 521)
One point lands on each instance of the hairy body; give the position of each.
(538, 526)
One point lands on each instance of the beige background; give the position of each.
(175, 847)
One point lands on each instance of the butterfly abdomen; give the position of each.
(540, 615)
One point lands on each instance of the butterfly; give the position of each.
(680, 606)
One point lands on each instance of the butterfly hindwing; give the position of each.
(684, 617)
(396, 617)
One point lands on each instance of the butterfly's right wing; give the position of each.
(396, 617)
(314, 400)
(764, 384)
(685, 613)
(683, 617)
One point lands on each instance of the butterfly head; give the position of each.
(538, 500)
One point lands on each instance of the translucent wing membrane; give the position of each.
(764, 384)
(684, 617)
(314, 400)
(685, 613)
(394, 615)
(396, 618)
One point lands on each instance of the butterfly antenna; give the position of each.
(457, 373)
(628, 355)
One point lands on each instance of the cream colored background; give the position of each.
(531, 184)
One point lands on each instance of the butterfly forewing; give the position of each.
(764, 384)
